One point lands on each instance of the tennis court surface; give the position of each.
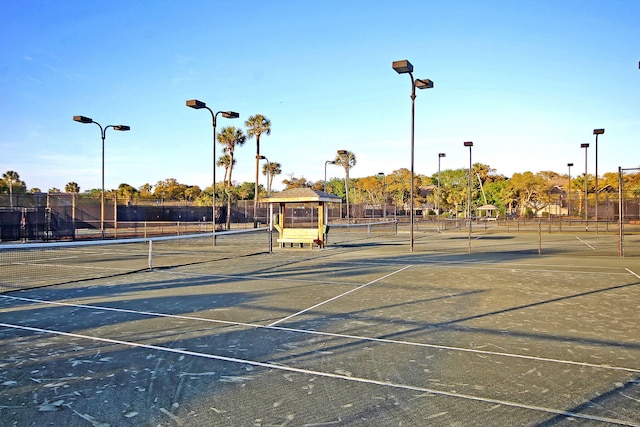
(363, 332)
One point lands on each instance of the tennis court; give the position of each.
(364, 332)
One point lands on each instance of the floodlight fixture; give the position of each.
(424, 84)
(82, 119)
(194, 103)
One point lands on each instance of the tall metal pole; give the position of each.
(413, 113)
(197, 105)
(569, 193)
(586, 191)
(102, 192)
(405, 67)
(440, 156)
(597, 132)
(469, 144)
(103, 132)
(620, 214)
(330, 162)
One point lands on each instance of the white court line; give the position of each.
(638, 276)
(337, 296)
(328, 375)
(328, 334)
(585, 243)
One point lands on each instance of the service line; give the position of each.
(337, 296)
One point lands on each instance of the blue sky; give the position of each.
(526, 81)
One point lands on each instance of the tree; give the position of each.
(192, 192)
(12, 183)
(372, 188)
(271, 169)
(256, 126)
(145, 191)
(127, 192)
(399, 185)
(230, 138)
(72, 187)
(170, 189)
(347, 160)
(532, 190)
(453, 189)
(225, 161)
(297, 183)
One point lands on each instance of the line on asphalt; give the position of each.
(338, 296)
(638, 276)
(329, 375)
(328, 334)
(585, 243)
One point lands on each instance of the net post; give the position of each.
(150, 261)
(539, 237)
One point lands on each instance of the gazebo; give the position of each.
(311, 228)
(488, 211)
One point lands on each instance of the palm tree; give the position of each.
(271, 169)
(256, 126)
(230, 137)
(347, 160)
(225, 161)
(72, 187)
(12, 178)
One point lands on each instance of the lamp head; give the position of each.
(230, 115)
(424, 84)
(468, 144)
(584, 145)
(122, 127)
(402, 67)
(598, 131)
(569, 164)
(82, 119)
(442, 155)
(194, 103)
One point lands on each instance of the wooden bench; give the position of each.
(300, 236)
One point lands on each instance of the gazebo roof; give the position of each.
(301, 195)
(487, 208)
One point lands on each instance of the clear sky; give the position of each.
(526, 81)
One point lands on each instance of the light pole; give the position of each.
(597, 132)
(384, 193)
(569, 193)
(405, 67)
(328, 162)
(440, 156)
(197, 105)
(469, 144)
(103, 132)
(345, 154)
(586, 193)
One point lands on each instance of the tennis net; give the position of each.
(32, 265)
